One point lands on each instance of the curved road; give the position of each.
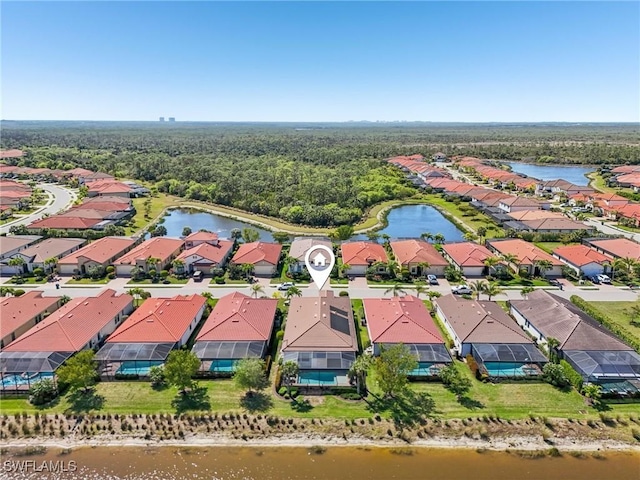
(60, 198)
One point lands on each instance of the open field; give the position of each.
(619, 313)
(159, 203)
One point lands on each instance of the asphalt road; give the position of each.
(60, 198)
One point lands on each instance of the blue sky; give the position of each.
(321, 61)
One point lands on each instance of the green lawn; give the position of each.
(549, 247)
(228, 281)
(618, 312)
(523, 282)
(480, 220)
(147, 281)
(363, 333)
(158, 204)
(339, 281)
(91, 281)
(27, 281)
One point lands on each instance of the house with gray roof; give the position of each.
(299, 248)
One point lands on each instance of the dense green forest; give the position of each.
(313, 174)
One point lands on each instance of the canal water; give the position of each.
(572, 173)
(408, 221)
(297, 463)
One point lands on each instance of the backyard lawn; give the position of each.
(158, 204)
(619, 313)
(479, 220)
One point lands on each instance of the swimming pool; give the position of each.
(9, 381)
(137, 368)
(427, 369)
(322, 377)
(226, 365)
(510, 369)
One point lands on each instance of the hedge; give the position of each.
(574, 377)
(616, 329)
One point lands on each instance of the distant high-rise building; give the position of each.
(162, 119)
(172, 119)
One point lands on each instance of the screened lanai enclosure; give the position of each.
(599, 366)
(220, 358)
(508, 360)
(130, 359)
(20, 370)
(322, 369)
(432, 357)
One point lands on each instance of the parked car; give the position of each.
(461, 290)
(432, 279)
(197, 276)
(604, 278)
(595, 280)
(285, 286)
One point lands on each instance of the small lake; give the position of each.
(282, 463)
(572, 173)
(408, 221)
(177, 219)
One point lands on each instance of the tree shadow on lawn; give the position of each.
(256, 402)
(81, 401)
(470, 403)
(301, 406)
(407, 407)
(194, 399)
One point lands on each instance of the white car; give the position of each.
(604, 278)
(285, 286)
(461, 290)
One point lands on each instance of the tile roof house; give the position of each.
(406, 320)
(36, 255)
(468, 257)
(299, 248)
(14, 153)
(205, 256)
(196, 238)
(527, 254)
(161, 248)
(146, 338)
(585, 261)
(595, 353)
(262, 255)
(412, 253)
(518, 204)
(238, 327)
(629, 214)
(62, 222)
(548, 225)
(483, 330)
(82, 323)
(10, 246)
(617, 247)
(320, 337)
(361, 255)
(109, 188)
(629, 180)
(102, 252)
(21, 313)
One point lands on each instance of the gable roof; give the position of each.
(101, 250)
(51, 247)
(16, 311)
(239, 317)
(362, 253)
(467, 254)
(301, 245)
(14, 242)
(213, 253)
(322, 323)
(256, 252)
(417, 251)
(400, 320)
(580, 255)
(71, 327)
(480, 321)
(201, 236)
(618, 247)
(159, 320)
(157, 247)
(526, 252)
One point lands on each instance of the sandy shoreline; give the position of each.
(525, 443)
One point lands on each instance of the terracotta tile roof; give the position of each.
(79, 172)
(101, 250)
(400, 320)
(239, 317)
(16, 311)
(320, 324)
(120, 201)
(480, 321)
(214, 253)
(580, 255)
(102, 187)
(526, 252)
(300, 245)
(159, 320)
(71, 327)
(626, 169)
(416, 251)
(629, 178)
(85, 212)
(630, 210)
(201, 236)
(102, 205)
(362, 253)
(13, 242)
(618, 247)
(256, 252)
(467, 254)
(158, 247)
(62, 223)
(11, 153)
(51, 247)
(4, 168)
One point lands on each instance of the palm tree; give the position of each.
(247, 269)
(50, 264)
(152, 263)
(491, 262)
(256, 289)
(426, 236)
(543, 266)
(277, 295)
(512, 259)
(359, 369)
(478, 287)
(290, 261)
(392, 267)
(293, 292)
(178, 265)
(552, 345)
(19, 263)
(438, 238)
(424, 266)
(627, 265)
(420, 288)
(139, 294)
(288, 374)
(492, 289)
(396, 290)
(526, 291)
(343, 269)
(470, 236)
(373, 236)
